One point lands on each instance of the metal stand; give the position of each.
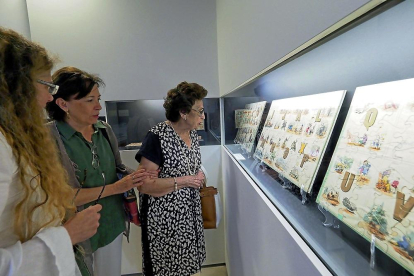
(303, 194)
(330, 220)
(286, 183)
(262, 166)
(372, 249)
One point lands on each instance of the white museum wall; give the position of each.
(141, 49)
(13, 15)
(251, 35)
(132, 252)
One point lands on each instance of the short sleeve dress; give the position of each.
(172, 225)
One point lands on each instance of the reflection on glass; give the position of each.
(131, 120)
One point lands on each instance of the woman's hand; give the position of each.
(84, 224)
(192, 181)
(201, 175)
(154, 174)
(131, 181)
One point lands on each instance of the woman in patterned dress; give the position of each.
(172, 225)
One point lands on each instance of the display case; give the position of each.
(131, 120)
(306, 133)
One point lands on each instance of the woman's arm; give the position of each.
(161, 186)
(133, 180)
(50, 252)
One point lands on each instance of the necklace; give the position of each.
(183, 152)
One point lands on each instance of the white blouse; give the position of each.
(49, 252)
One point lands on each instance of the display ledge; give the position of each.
(342, 250)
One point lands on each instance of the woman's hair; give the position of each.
(181, 99)
(46, 194)
(72, 82)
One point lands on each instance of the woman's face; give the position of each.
(196, 115)
(42, 91)
(85, 111)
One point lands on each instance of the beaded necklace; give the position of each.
(183, 152)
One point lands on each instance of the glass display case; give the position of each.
(343, 61)
(131, 120)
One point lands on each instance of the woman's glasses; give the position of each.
(200, 112)
(95, 157)
(53, 88)
(83, 182)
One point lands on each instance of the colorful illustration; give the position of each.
(372, 169)
(238, 117)
(376, 222)
(295, 135)
(247, 121)
(404, 245)
(363, 177)
(343, 163)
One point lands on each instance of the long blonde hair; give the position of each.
(22, 123)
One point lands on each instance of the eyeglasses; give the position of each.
(81, 184)
(53, 88)
(200, 112)
(95, 157)
(103, 188)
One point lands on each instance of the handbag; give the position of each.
(130, 205)
(210, 205)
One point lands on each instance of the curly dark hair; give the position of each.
(182, 98)
(72, 81)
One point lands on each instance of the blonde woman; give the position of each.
(37, 223)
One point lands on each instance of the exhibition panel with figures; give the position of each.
(338, 166)
(295, 134)
(369, 183)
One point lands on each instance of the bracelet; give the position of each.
(175, 184)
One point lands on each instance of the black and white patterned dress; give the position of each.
(172, 225)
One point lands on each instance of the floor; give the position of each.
(205, 271)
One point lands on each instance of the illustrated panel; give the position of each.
(370, 181)
(248, 120)
(295, 135)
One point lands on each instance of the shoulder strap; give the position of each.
(66, 162)
(113, 142)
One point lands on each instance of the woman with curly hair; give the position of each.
(172, 225)
(38, 224)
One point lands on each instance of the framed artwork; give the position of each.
(370, 181)
(295, 135)
(249, 124)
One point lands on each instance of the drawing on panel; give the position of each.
(376, 222)
(295, 135)
(238, 117)
(404, 245)
(369, 184)
(349, 205)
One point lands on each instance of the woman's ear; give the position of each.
(183, 115)
(62, 104)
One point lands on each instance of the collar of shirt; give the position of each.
(67, 131)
